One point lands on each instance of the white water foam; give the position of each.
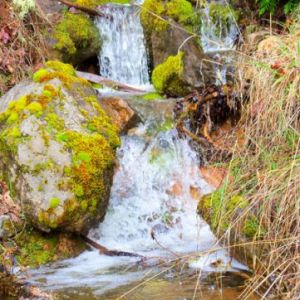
(142, 202)
(218, 40)
(123, 55)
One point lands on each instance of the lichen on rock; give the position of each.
(58, 149)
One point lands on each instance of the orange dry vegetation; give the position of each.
(21, 45)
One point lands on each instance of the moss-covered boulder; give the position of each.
(169, 40)
(57, 149)
(75, 38)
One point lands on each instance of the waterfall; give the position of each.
(151, 193)
(123, 55)
(218, 40)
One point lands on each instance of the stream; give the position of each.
(152, 211)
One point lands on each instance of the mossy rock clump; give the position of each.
(36, 248)
(156, 15)
(167, 77)
(76, 38)
(220, 211)
(58, 149)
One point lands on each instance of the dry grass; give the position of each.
(266, 171)
(22, 44)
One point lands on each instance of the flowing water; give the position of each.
(150, 197)
(152, 211)
(123, 55)
(218, 40)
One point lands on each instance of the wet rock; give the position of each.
(213, 175)
(122, 115)
(58, 150)
(197, 70)
(176, 189)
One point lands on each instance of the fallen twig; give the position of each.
(108, 82)
(104, 250)
(85, 9)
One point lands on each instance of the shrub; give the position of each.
(272, 5)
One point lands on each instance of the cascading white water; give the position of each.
(151, 193)
(218, 40)
(123, 55)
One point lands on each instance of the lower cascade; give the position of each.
(123, 54)
(151, 213)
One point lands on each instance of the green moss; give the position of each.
(253, 228)
(150, 10)
(39, 74)
(92, 152)
(166, 76)
(54, 202)
(155, 12)
(217, 209)
(61, 67)
(152, 96)
(34, 108)
(37, 248)
(13, 118)
(75, 32)
(78, 190)
(64, 72)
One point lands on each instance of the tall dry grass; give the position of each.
(266, 170)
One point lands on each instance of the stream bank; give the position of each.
(162, 206)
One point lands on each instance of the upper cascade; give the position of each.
(219, 35)
(123, 56)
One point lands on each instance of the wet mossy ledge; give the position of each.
(57, 150)
(36, 248)
(76, 38)
(155, 15)
(166, 77)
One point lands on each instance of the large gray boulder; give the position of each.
(57, 150)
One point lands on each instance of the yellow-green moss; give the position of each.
(56, 65)
(34, 108)
(95, 3)
(217, 209)
(252, 228)
(152, 96)
(166, 76)
(75, 32)
(54, 202)
(56, 69)
(92, 150)
(37, 248)
(154, 12)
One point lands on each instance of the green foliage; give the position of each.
(271, 6)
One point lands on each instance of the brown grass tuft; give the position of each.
(266, 171)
